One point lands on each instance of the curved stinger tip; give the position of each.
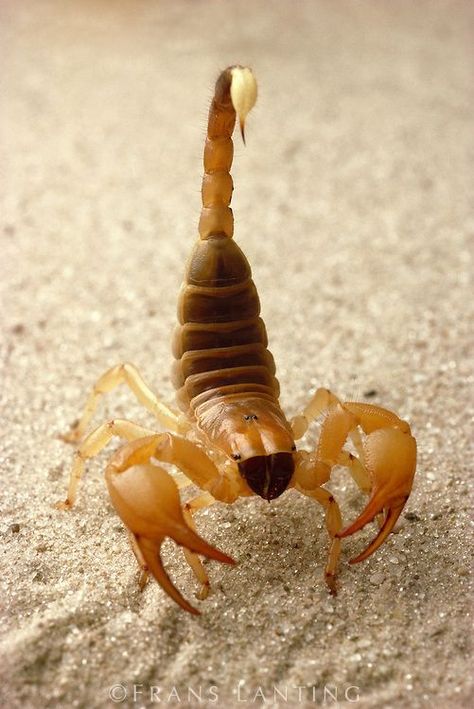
(242, 131)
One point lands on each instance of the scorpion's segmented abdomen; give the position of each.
(220, 343)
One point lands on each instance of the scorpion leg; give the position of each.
(147, 500)
(93, 444)
(357, 470)
(124, 373)
(313, 470)
(197, 503)
(144, 576)
(320, 402)
(334, 525)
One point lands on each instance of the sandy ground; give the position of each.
(352, 204)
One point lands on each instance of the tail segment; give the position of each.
(235, 95)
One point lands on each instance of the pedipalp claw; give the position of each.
(389, 523)
(147, 500)
(186, 537)
(151, 553)
(366, 516)
(390, 455)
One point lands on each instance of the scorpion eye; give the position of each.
(251, 417)
(293, 447)
(236, 456)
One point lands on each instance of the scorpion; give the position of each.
(230, 437)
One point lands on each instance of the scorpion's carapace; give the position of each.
(232, 439)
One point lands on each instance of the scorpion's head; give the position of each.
(255, 434)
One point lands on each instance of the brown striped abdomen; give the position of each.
(220, 344)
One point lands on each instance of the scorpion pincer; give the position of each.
(231, 438)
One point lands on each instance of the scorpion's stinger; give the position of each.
(243, 92)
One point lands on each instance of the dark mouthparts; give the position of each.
(268, 475)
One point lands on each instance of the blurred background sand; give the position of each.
(353, 203)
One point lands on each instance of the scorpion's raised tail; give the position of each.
(220, 344)
(235, 95)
